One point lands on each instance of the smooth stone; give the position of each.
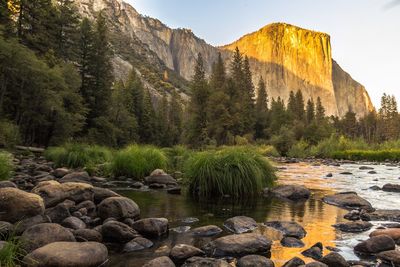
(292, 242)
(254, 261)
(375, 188)
(353, 227)
(392, 257)
(45, 233)
(7, 184)
(291, 229)
(60, 172)
(136, 244)
(295, 262)
(382, 215)
(292, 192)
(160, 177)
(68, 254)
(86, 235)
(238, 245)
(21, 226)
(75, 177)
(391, 188)
(16, 205)
(58, 213)
(348, 200)
(118, 232)
(240, 224)
(204, 231)
(334, 259)
(179, 253)
(152, 227)
(118, 208)
(314, 252)
(366, 168)
(73, 223)
(375, 244)
(394, 233)
(102, 193)
(160, 261)
(329, 175)
(205, 262)
(88, 206)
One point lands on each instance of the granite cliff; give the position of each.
(286, 56)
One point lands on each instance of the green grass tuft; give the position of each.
(6, 165)
(12, 252)
(234, 171)
(138, 161)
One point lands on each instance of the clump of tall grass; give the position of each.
(326, 148)
(234, 171)
(12, 252)
(78, 155)
(372, 155)
(6, 165)
(138, 161)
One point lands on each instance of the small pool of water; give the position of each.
(314, 215)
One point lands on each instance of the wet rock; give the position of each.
(394, 233)
(295, 262)
(137, 185)
(375, 244)
(76, 177)
(333, 249)
(391, 257)
(6, 184)
(202, 262)
(43, 234)
(181, 252)
(366, 168)
(291, 229)
(381, 215)
(292, 192)
(136, 244)
(346, 173)
(6, 229)
(151, 226)
(254, 261)
(118, 208)
(314, 252)
(160, 261)
(88, 206)
(353, 215)
(240, 224)
(174, 190)
(21, 226)
(160, 177)
(375, 188)
(190, 220)
(67, 254)
(292, 242)
(391, 188)
(53, 192)
(353, 227)
(209, 230)
(334, 259)
(329, 175)
(86, 235)
(391, 225)
(238, 245)
(60, 172)
(58, 213)
(372, 172)
(102, 193)
(118, 232)
(16, 205)
(348, 200)
(73, 223)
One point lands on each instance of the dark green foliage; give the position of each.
(177, 157)
(12, 253)
(234, 171)
(138, 161)
(283, 140)
(261, 111)
(9, 134)
(5, 165)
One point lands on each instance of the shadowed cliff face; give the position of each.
(286, 56)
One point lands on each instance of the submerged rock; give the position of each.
(353, 227)
(240, 224)
(292, 192)
(238, 245)
(348, 200)
(68, 254)
(136, 244)
(209, 230)
(291, 229)
(179, 253)
(254, 261)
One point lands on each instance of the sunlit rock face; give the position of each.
(286, 56)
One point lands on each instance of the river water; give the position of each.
(314, 215)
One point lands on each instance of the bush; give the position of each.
(5, 165)
(138, 161)
(372, 155)
(328, 147)
(234, 171)
(78, 155)
(9, 134)
(283, 141)
(299, 150)
(177, 156)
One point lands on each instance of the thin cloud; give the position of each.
(392, 4)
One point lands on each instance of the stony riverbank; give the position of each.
(68, 218)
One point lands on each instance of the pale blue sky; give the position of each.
(365, 34)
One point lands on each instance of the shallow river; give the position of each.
(314, 215)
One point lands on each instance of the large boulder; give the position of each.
(43, 234)
(348, 200)
(254, 261)
(208, 230)
(291, 229)
(181, 252)
(160, 177)
(68, 254)
(375, 244)
(353, 227)
(238, 245)
(240, 224)
(205, 262)
(391, 188)
(118, 232)
(292, 192)
(53, 192)
(160, 261)
(334, 259)
(16, 205)
(381, 215)
(118, 208)
(394, 233)
(391, 257)
(102, 193)
(151, 227)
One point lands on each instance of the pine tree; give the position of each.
(248, 115)
(278, 115)
(319, 111)
(261, 110)
(148, 125)
(310, 111)
(299, 106)
(292, 105)
(163, 122)
(175, 118)
(197, 131)
(218, 75)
